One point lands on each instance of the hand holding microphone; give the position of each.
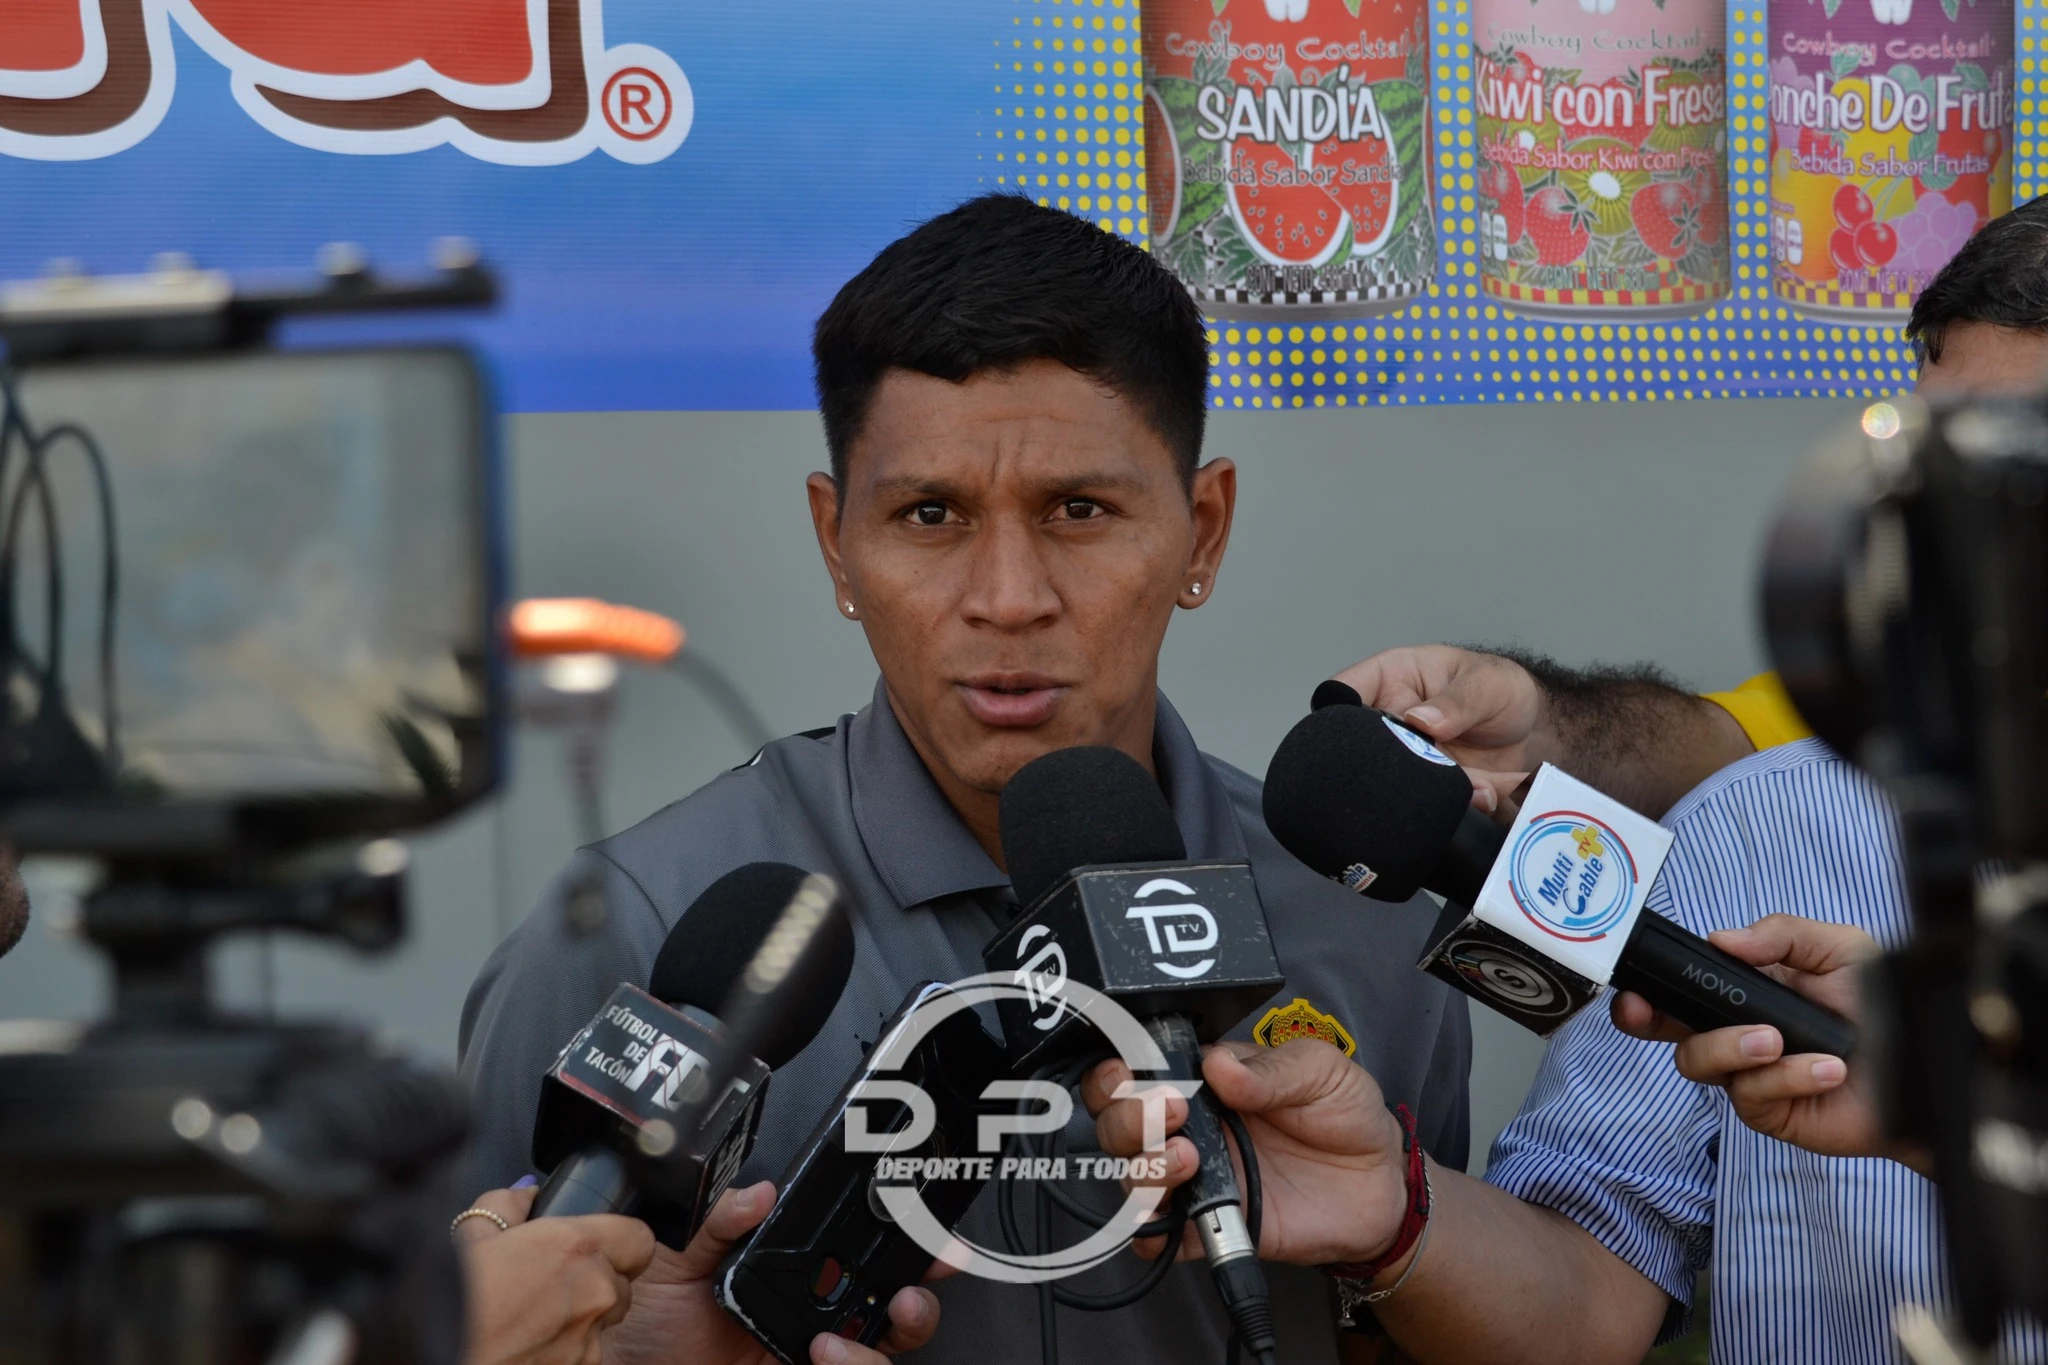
(676, 1317)
(542, 1293)
(652, 1107)
(1629, 731)
(1818, 1102)
(1542, 914)
(1486, 711)
(1330, 1157)
(1112, 902)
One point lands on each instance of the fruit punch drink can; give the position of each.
(1890, 144)
(1603, 154)
(1287, 152)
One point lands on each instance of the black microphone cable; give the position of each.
(725, 696)
(1046, 1194)
(1254, 1209)
(34, 482)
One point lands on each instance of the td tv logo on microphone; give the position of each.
(1151, 937)
(1557, 907)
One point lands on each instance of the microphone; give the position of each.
(1111, 901)
(651, 1109)
(1539, 915)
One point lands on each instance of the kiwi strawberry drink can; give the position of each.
(1603, 155)
(1891, 125)
(1287, 152)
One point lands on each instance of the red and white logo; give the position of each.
(518, 82)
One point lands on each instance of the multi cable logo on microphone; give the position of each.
(1572, 875)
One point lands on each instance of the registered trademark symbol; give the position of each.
(637, 103)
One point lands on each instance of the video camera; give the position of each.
(249, 604)
(1905, 600)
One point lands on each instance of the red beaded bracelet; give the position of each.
(1413, 1221)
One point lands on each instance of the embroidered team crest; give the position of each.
(1284, 1023)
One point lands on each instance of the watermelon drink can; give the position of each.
(1891, 143)
(1287, 152)
(1603, 155)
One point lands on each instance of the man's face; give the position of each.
(1014, 546)
(1978, 357)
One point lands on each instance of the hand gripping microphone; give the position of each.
(1111, 901)
(1540, 915)
(651, 1109)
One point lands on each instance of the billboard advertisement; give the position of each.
(1376, 201)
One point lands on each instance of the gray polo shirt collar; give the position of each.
(923, 851)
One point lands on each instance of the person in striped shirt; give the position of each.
(1622, 1179)
(1633, 1166)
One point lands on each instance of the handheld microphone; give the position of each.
(1111, 901)
(1539, 915)
(651, 1109)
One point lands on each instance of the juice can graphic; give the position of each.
(1287, 152)
(1891, 143)
(1603, 147)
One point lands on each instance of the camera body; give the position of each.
(1905, 602)
(249, 620)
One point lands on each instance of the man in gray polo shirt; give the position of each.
(1014, 402)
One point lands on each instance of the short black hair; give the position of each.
(1000, 281)
(2000, 277)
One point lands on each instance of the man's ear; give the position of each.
(1213, 502)
(824, 498)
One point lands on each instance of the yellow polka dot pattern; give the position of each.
(1068, 129)
(2027, 180)
(1069, 81)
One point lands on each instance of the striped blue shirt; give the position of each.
(1810, 1254)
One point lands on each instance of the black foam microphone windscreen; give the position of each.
(1330, 692)
(1358, 796)
(1081, 807)
(710, 946)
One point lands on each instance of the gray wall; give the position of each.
(1588, 531)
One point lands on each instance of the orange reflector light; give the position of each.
(584, 625)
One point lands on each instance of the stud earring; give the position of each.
(849, 608)
(1195, 588)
